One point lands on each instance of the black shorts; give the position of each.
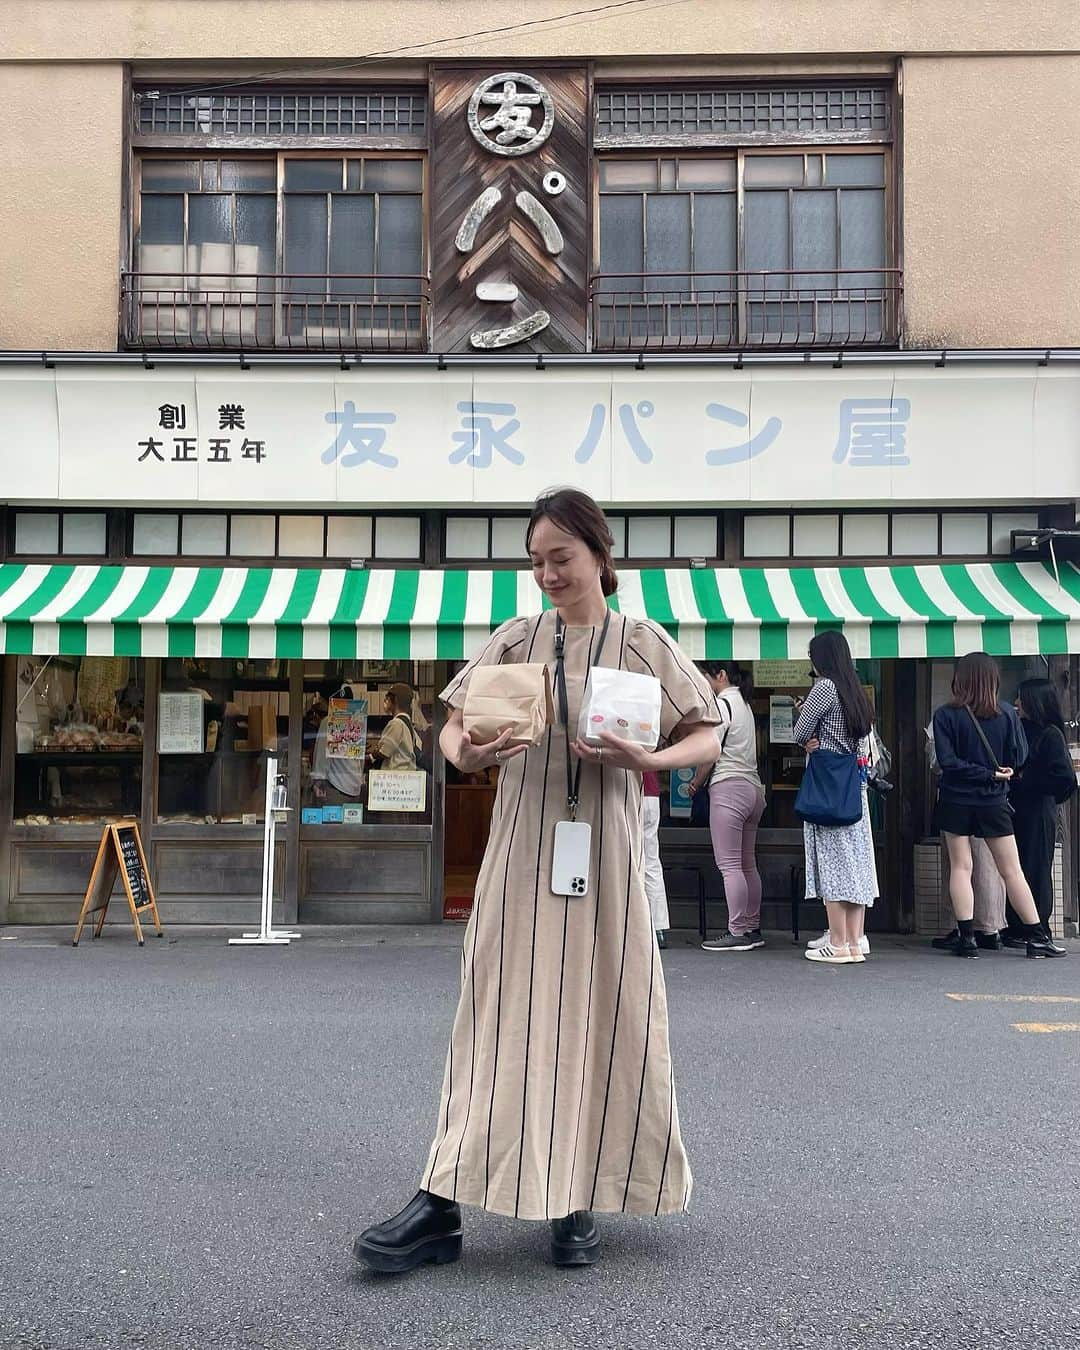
(992, 820)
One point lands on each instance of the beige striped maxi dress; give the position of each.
(558, 1093)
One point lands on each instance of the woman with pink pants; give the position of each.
(736, 803)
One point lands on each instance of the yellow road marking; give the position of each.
(1013, 998)
(1046, 1026)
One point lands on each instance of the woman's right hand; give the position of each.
(471, 758)
(1003, 775)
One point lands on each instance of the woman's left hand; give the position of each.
(617, 753)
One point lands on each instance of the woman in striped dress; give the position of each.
(558, 1098)
(840, 868)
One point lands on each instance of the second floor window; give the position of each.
(279, 251)
(744, 249)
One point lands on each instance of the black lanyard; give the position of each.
(573, 778)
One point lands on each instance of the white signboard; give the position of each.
(676, 435)
(396, 790)
(781, 719)
(180, 724)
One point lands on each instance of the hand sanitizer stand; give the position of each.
(267, 936)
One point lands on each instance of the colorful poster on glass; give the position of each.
(346, 728)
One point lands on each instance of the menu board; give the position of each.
(346, 728)
(120, 853)
(132, 861)
(180, 724)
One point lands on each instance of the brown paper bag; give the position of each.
(514, 696)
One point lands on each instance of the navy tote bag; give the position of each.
(831, 789)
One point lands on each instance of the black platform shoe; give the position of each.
(1014, 941)
(427, 1229)
(965, 946)
(1044, 946)
(988, 942)
(574, 1240)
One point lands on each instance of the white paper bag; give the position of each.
(625, 704)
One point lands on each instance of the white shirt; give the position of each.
(738, 732)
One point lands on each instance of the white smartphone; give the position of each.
(570, 858)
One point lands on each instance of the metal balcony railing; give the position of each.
(218, 311)
(632, 311)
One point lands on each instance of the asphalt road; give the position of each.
(191, 1134)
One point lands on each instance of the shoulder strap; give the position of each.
(722, 698)
(982, 737)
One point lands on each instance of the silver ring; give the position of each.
(498, 755)
(599, 752)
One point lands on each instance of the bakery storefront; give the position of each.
(180, 598)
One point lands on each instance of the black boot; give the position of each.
(948, 942)
(1042, 945)
(427, 1229)
(988, 942)
(574, 1240)
(965, 945)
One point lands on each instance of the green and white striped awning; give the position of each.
(1005, 608)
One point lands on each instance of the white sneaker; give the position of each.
(836, 956)
(823, 941)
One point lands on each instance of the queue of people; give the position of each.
(1004, 772)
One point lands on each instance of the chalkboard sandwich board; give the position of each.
(120, 854)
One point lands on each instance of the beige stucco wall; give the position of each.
(298, 29)
(991, 201)
(60, 210)
(991, 178)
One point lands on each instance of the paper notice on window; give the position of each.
(396, 790)
(781, 719)
(180, 724)
(346, 728)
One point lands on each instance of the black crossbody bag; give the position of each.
(990, 751)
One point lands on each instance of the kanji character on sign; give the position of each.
(363, 435)
(219, 451)
(873, 433)
(628, 415)
(172, 417)
(230, 417)
(479, 437)
(184, 450)
(513, 115)
(255, 450)
(746, 450)
(151, 447)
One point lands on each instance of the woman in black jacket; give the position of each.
(980, 745)
(1046, 779)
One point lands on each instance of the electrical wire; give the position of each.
(413, 47)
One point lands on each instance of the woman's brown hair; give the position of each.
(577, 514)
(402, 696)
(975, 684)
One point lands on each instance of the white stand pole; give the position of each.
(267, 936)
